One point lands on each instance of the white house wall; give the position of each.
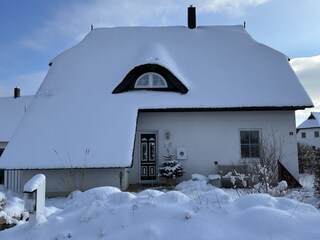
(214, 136)
(310, 138)
(62, 182)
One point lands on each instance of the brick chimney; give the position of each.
(16, 92)
(192, 17)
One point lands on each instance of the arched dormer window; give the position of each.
(152, 77)
(151, 80)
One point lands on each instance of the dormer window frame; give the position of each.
(151, 78)
(130, 80)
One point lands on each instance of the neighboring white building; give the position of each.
(12, 110)
(308, 132)
(111, 106)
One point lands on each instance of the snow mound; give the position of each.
(171, 197)
(108, 213)
(198, 185)
(214, 198)
(197, 176)
(119, 198)
(149, 193)
(87, 197)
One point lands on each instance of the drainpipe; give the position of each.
(120, 178)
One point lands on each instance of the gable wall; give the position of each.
(310, 139)
(214, 136)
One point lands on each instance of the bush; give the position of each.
(2, 201)
(306, 158)
(316, 171)
(170, 168)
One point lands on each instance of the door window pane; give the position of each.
(152, 152)
(144, 151)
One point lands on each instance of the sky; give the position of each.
(35, 31)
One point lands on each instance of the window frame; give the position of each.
(250, 144)
(316, 134)
(150, 81)
(303, 135)
(127, 83)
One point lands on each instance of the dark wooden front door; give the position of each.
(148, 156)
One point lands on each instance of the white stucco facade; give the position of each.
(63, 181)
(213, 136)
(309, 136)
(308, 132)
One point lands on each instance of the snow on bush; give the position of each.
(170, 168)
(2, 201)
(198, 177)
(11, 208)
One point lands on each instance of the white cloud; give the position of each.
(308, 71)
(28, 83)
(72, 22)
(233, 7)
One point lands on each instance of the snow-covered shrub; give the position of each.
(170, 168)
(309, 160)
(306, 157)
(2, 201)
(234, 176)
(316, 171)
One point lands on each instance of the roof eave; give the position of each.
(220, 109)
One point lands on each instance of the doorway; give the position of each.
(148, 156)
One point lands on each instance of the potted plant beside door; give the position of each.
(170, 169)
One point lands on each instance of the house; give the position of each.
(309, 130)
(12, 110)
(113, 105)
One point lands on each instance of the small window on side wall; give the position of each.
(151, 80)
(316, 134)
(303, 135)
(250, 143)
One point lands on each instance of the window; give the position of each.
(151, 80)
(250, 143)
(152, 77)
(316, 134)
(303, 135)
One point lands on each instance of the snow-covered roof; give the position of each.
(76, 121)
(11, 112)
(313, 121)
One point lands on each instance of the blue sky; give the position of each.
(35, 31)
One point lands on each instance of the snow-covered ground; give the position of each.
(194, 210)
